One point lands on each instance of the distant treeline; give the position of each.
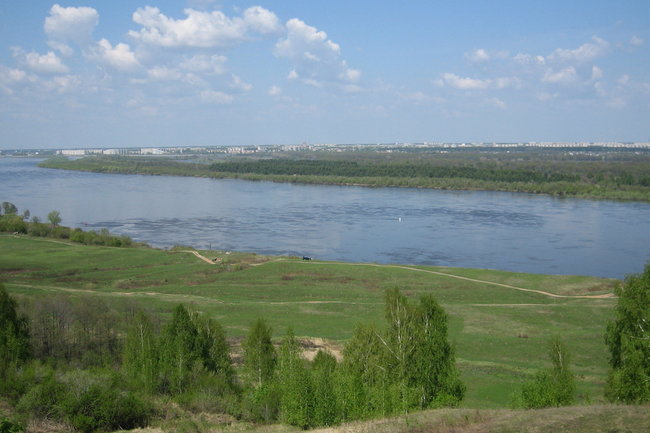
(624, 179)
(396, 170)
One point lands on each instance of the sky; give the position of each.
(152, 73)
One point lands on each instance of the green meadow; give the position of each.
(498, 326)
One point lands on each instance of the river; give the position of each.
(479, 229)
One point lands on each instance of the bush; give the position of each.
(103, 407)
(551, 387)
(6, 426)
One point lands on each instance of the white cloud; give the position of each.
(119, 57)
(636, 41)
(261, 20)
(293, 75)
(201, 29)
(214, 64)
(216, 97)
(10, 77)
(163, 73)
(350, 75)
(274, 91)
(528, 59)
(478, 55)
(584, 53)
(239, 84)
(565, 76)
(62, 84)
(313, 54)
(596, 73)
(623, 80)
(454, 80)
(48, 63)
(70, 24)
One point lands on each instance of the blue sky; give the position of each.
(200, 72)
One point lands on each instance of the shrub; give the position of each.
(6, 426)
(550, 387)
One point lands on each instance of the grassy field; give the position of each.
(499, 331)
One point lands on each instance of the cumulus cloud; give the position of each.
(596, 73)
(70, 24)
(239, 84)
(216, 97)
(636, 41)
(274, 91)
(48, 63)
(564, 76)
(119, 57)
(478, 55)
(201, 29)
(528, 59)
(313, 54)
(214, 64)
(10, 77)
(466, 83)
(584, 53)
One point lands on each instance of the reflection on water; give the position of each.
(519, 232)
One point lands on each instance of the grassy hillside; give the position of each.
(498, 325)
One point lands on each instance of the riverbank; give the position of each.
(551, 179)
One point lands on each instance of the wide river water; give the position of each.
(497, 230)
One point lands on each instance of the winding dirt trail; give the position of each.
(409, 268)
(492, 283)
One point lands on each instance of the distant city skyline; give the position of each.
(99, 74)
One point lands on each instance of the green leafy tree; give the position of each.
(54, 218)
(141, 353)
(9, 208)
(362, 373)
(262, 394)
(14, 336)
(294, 380)
(434, 371)
(179, 351)
(550, 387)
(259, 354)
(213, 347)
(326, 408)
(628, 341)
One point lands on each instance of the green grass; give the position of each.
(499, 333)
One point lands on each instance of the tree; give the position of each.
(628, 341)
(262, 398)
(9, 208)
(54, 218)
(326, 408)
(180, 350)
(550, 387)
(434, 366)
(296, 393)
(213, 347)
(14, 336)
(140, 358)
(259, 354)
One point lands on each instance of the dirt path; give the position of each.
(197, 254)
(492, 283)
(444, 274)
